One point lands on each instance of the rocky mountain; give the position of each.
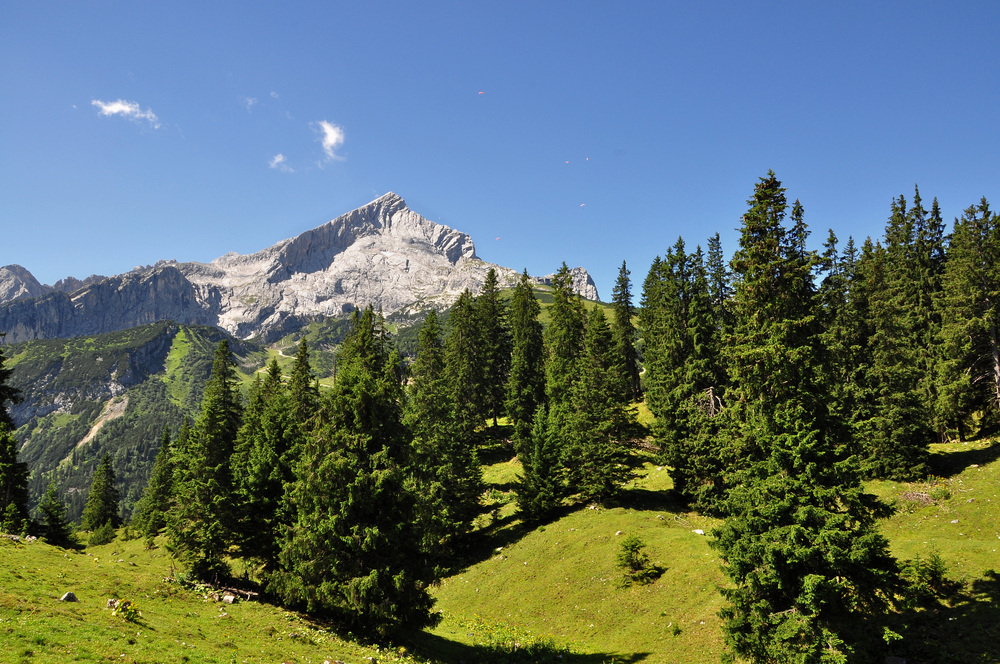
(382, 254)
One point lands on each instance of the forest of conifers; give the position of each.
(780, 381)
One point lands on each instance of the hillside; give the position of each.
(112, 393)
(557, 581)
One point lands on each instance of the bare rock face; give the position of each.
(382, 254)
(17, 283)
(583, 283)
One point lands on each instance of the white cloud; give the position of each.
(127, 109)
(281, 163)
(249, 102)
(274, 95)
(331, 136)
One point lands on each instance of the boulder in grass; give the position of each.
(68, 597)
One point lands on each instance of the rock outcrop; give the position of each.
(382, 254)
(17, 283)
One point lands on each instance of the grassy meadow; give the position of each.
(553, 588)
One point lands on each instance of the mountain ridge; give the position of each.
(382, 254)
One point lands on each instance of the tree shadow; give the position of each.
(442, 649)
(961, 630)
(653, 501)
(953, 463)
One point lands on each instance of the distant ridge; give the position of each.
(382, 254)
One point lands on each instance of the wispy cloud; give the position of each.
(279, 162)
(127, 109)
(249, 102)
(331, 137)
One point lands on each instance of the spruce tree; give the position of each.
(9, 395)
(539, 487)
(897, 428)
(526, 380)
(719, 284)
(464, 367)
(354, 550)
(446, 470)
(563, 341)
(599, 416)
(626, 356)
(201, 522)
(808, 568)
(150, 514)
(968, 370)
(14, 476)
(302, 387)
(102, 501)
(491, 319)
(261, 469)
(52, 510)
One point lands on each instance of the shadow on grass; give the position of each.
(962, 631)
(447, 651)
(655, 501)
(495, 445)
(954, 463)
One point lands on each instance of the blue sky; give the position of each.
(584, 132)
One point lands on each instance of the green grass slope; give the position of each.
(176, 623)
(556, 584)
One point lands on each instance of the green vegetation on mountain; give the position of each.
(796, 402)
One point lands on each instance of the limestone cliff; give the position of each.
(382, 254)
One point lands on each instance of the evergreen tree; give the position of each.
(526, 380)
(845, 312)
(810, 573)
(969, 368)
(563, 343)
(201, 521)
(898, 427)
(354, 550)
(52, 510)
(102, 501)
(261, 469)
(8, 394)
(539, 487)
(464, 366)
(599, 417)
(150, 514)
(719, 284)
(627, 358)
(491, 317)
(14, 474)
(302, 387)
(446, 470)
(13, 485)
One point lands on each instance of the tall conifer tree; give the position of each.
(968, 371)
(201, 522)
(447, 472)
(52, 510)
(150, 514)
(599, 417)
(808, 568)
(14, 474)
(464, 353)
(491, 317)
(354, 550)
(526, 380)
(626, 356)
(102, 501)
(261, 469)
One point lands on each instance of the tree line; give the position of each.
(779, 381)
